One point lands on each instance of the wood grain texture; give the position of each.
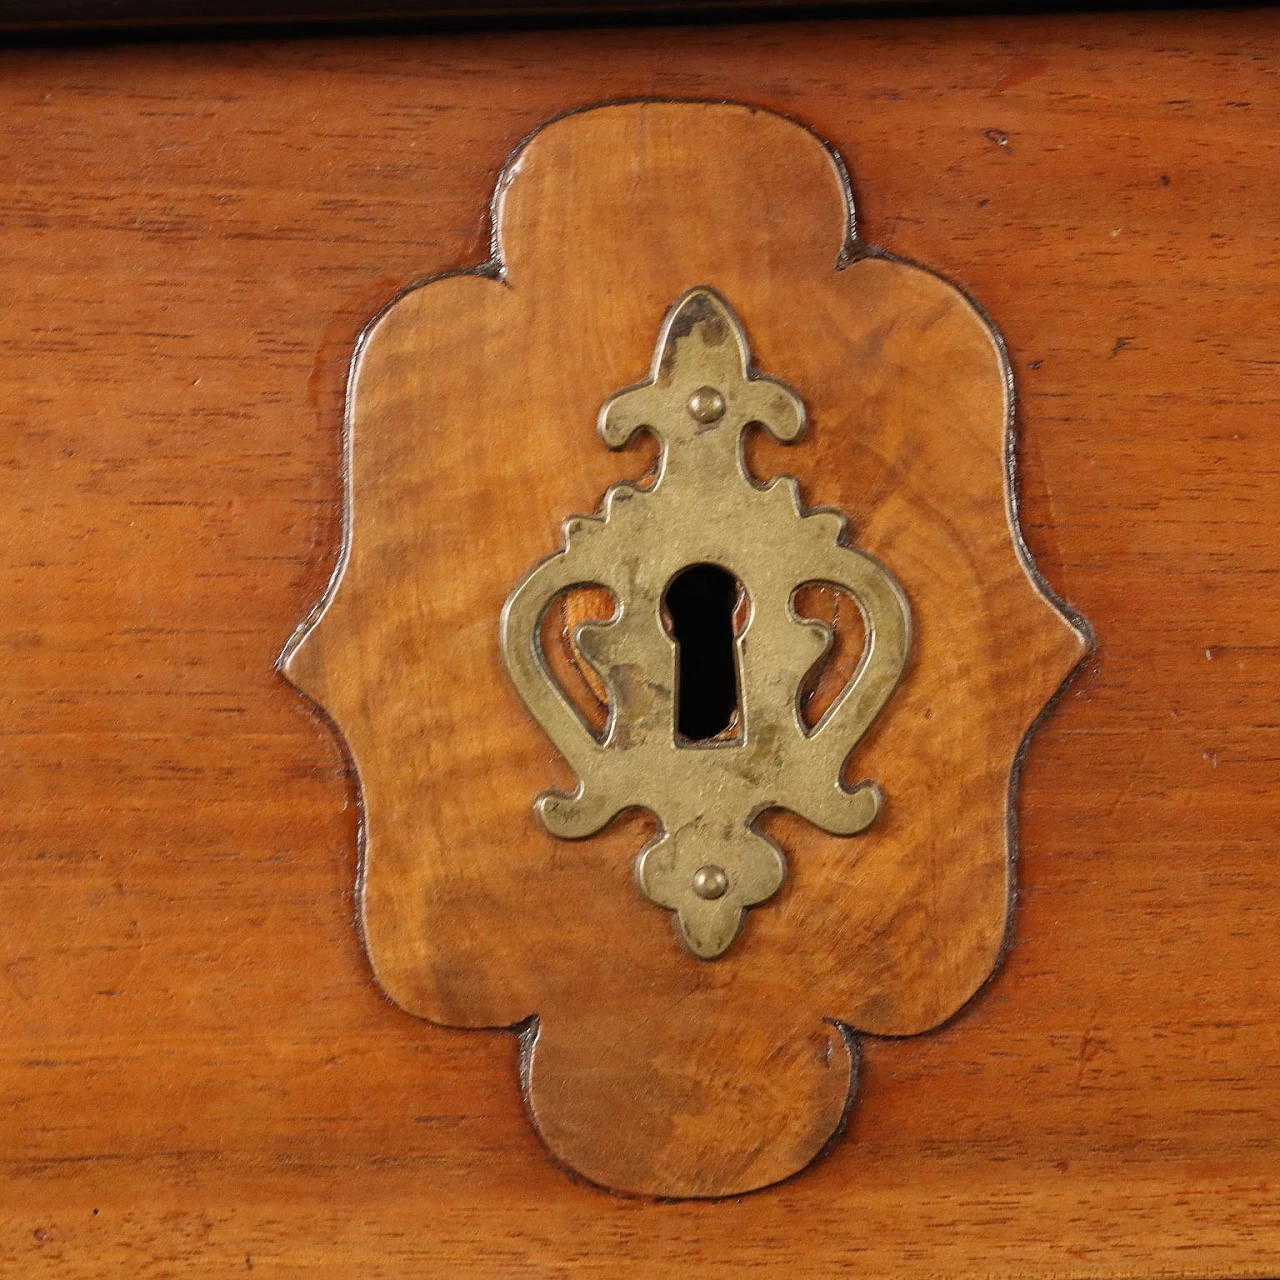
(472, 437)
(198, 1073)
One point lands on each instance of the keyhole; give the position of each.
(699, 608)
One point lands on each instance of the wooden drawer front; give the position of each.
(198, 1075)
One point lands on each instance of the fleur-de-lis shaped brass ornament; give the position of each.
(708, 863)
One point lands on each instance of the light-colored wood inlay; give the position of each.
(472, 436)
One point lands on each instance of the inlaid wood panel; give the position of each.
(198, 1074)
(471, 439)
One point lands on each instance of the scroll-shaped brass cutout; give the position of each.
(708, 863)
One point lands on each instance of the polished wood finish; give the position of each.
(197, 1069)
(472, 437)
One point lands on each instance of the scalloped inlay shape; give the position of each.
(470, 439)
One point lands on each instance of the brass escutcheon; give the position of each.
(708, 862)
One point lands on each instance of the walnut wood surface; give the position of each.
(472, 437)
(198, 1073)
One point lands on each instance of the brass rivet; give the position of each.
(710, 882)
(707, 405)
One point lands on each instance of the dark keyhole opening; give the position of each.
(699, 607)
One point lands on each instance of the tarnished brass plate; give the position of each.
(708, 862)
